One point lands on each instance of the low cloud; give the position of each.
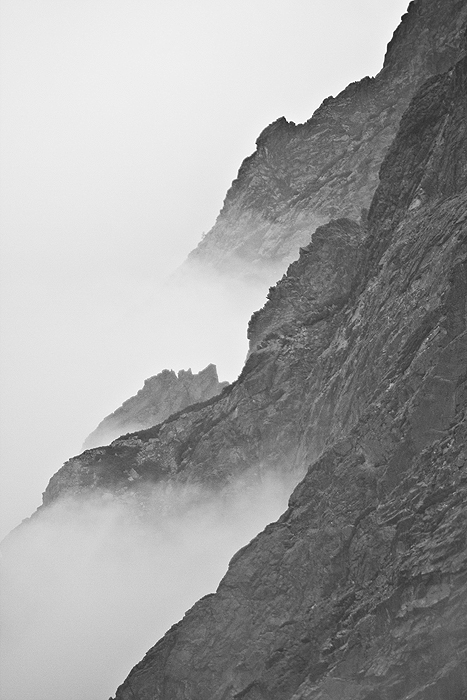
(90, 584)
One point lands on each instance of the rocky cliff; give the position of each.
(357, 377)
(359, 591)
(305, 384)
(161, 396)
(303, 175)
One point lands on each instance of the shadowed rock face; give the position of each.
(302, 176)
(359, 591)
(161, 396)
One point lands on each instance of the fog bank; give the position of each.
(90, 585)
(75, 380)
(122, 125)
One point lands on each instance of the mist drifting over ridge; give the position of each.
(180, 322)
(123, 126)
(88, 585)
(98, 593)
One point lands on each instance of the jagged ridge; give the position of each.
(301, 176)
(161, 396)
(359, 592)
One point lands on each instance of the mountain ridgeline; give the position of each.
(359, 591)
(161, 396)
(303, 175)
(355, 383)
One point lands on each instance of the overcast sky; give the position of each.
(123, 123)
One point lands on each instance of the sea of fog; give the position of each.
(89, 585)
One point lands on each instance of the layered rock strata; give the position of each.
(161, 396)
(303, 175)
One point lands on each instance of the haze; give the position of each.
(122, 126)
(89, 586)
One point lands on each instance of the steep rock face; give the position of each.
(310, 376)
(161, 396)
(317, 283)
(301, 176)
(359, 591)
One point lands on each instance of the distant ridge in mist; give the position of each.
(161, 396)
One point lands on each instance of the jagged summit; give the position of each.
(161, 396)
(301, 176)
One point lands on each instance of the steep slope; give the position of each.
(301, 176)
(261, 420)
(357, 374)
(161, 395)
(258, 422)
(303, 386)
(359, 591)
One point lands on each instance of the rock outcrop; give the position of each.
(161, 396)
(359, 591)
(357, 378)
(301, 176)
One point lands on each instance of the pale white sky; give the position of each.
(123, 122)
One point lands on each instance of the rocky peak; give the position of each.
(427, 39)
(161, 396)
(301, 176)
(281, 128)
(315, 285)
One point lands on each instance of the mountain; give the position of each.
(303, 175)
(356, 385)
(161, 395)
(357, 369)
